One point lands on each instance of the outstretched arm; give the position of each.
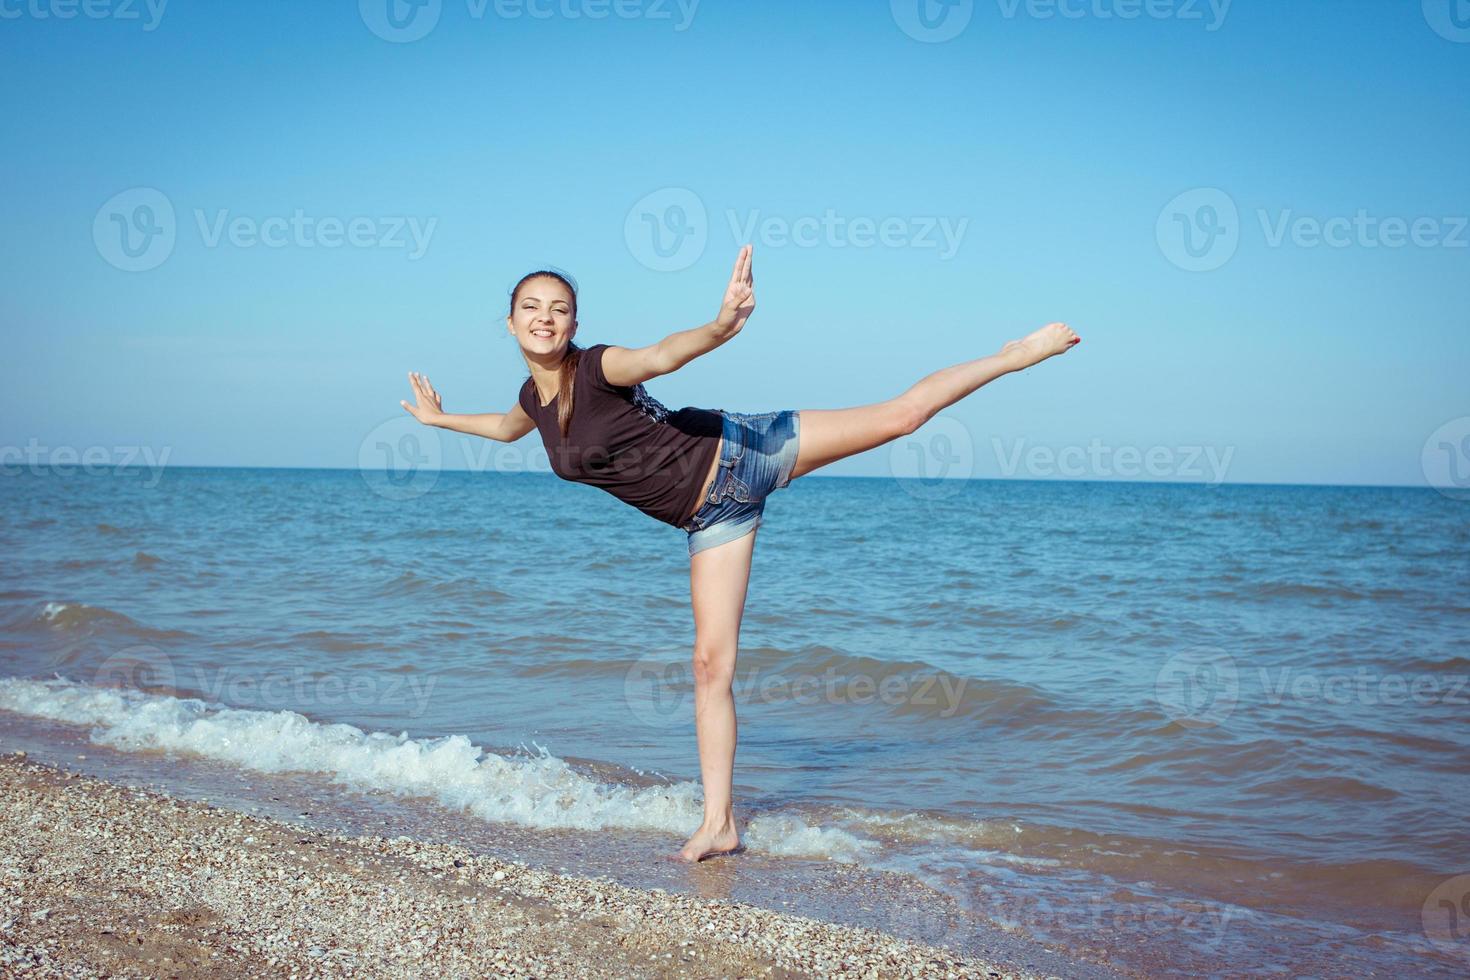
(626, 367)
(501, 426)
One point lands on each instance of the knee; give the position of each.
(714, 665)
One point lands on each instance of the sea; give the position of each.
(1095, 728)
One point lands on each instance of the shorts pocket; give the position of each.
(736, 489)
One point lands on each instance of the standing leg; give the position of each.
(718, 578)
(828, 435)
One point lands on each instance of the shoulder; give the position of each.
(592, 365)
(527, 397)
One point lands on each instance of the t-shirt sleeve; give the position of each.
(593, 357)
(525, 397)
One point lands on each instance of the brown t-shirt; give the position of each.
(623, 441)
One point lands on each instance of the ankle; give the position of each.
(719, 822)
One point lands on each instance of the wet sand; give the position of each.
(100, 878)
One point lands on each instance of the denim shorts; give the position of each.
(757, 457)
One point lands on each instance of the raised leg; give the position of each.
(828, 435)
(718, 578)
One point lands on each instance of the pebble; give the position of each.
(228, 909)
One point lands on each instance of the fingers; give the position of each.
(742, 266)
(422, 388)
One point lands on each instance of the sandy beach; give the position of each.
(103, 879)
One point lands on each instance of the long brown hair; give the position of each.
(567, 370)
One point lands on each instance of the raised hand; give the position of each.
(427, 407)
(739, 302)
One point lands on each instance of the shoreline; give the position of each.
(105, 878)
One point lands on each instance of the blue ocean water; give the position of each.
(1234, 713)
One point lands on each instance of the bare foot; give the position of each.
(1049, 341)
(710, 842)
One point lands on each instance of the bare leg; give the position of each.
(828, 435)
(718, 579)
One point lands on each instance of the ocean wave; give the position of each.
(75, 620)
(540, 791)
(80, 616)
(411, 583)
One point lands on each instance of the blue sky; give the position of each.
(1046, 162)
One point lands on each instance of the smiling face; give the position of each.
(543, 317)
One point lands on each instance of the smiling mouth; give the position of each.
(540, 333)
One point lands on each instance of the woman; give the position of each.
(704, 471)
